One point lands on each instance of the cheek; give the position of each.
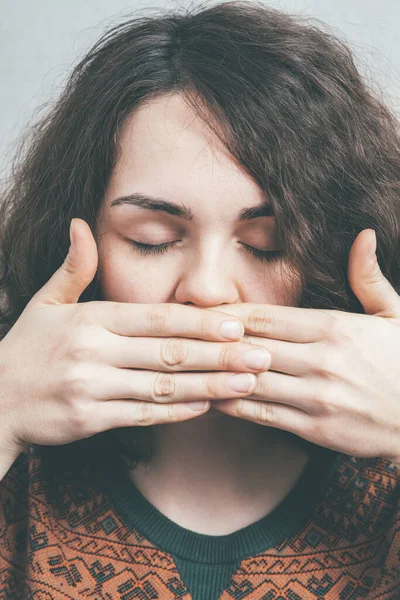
(124, 278)
(270, 284)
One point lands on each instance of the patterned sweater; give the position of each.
(70, 534)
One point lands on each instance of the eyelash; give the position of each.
(263, 255)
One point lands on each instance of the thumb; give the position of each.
(367, 281)
(77, 270)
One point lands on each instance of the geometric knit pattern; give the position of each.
(66, 541)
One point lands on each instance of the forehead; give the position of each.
(165, 150)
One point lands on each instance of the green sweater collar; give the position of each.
(268, 532)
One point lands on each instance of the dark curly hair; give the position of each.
(281, 93)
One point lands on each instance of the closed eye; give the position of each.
(263, 255)
(154, 249)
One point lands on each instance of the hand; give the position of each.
(334, 376)
(71, 370)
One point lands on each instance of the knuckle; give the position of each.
(248, 339)
(331, 327)
(325, 400)
(319, 432)
(317, 400)
(239, 406)
(259, 321)
(81, 417)
(321, 364)
(332, 401)
(80, 344)
(266, 412)
(171, 412)
(69, 264)
(263, 385)
(164, 387)
(145, 414)
(225, 356)
(373, 277)
(76, 383)
(80, 352)
(329, 364)
(205, 324)
(173, 353)
(212, 386)
(157, 318)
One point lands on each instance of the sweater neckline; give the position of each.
(281, 523)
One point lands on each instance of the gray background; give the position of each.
(41, 41)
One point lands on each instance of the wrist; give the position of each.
(8, 458)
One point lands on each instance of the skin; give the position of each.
(213, 474)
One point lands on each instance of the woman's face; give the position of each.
(166, 153)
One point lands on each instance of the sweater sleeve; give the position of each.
(14, 508)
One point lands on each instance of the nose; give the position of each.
(207, 281)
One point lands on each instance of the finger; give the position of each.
(285, 389)
(269, 414)
(181, 354)
(78, 269)
(159, 387)
(288, 323)
(286, 357)
(165, 320)
(131, 413)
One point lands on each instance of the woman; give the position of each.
(215, 160)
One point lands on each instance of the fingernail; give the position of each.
(231, 330)
(242, 382)
(72, 236)
(372, 249)
(256, 359)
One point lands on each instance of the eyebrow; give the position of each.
(182, 211)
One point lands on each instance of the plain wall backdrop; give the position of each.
(40, 42)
